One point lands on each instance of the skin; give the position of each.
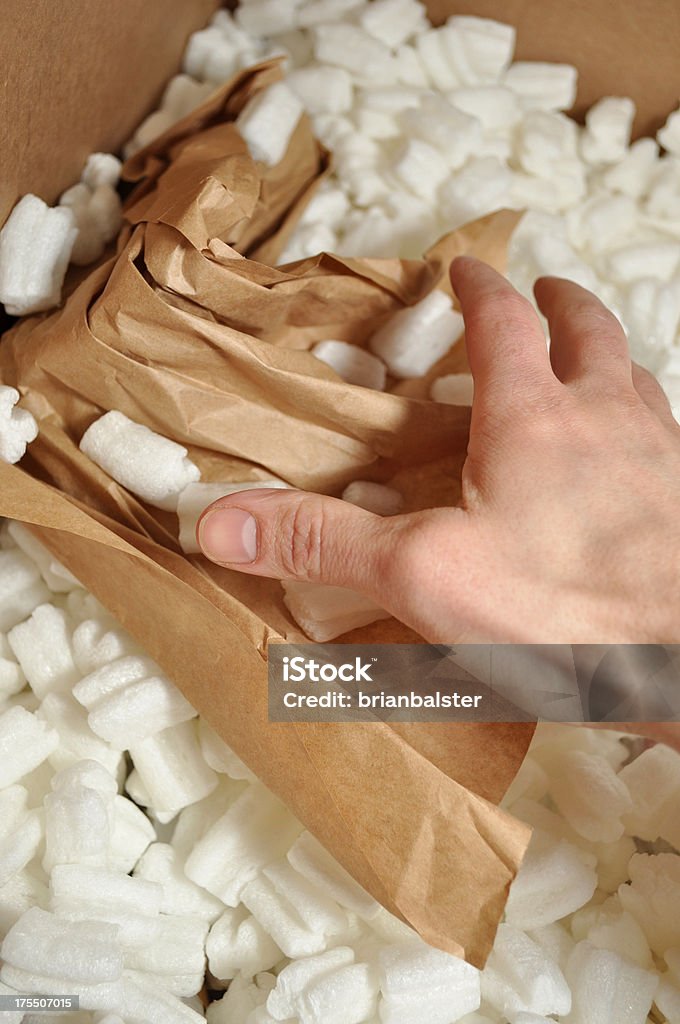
(568, 531)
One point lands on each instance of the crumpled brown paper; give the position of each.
(191, 331)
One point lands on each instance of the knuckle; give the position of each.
(509, 312)
(596, 324)
(301, 539)
(419, 535)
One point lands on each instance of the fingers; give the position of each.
(505, 343)
(586, 339)
(652, 394)
(295, 535)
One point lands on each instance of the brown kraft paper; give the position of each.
(190, 330)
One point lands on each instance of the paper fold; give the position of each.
(190, 330)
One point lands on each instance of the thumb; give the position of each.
(295, 535)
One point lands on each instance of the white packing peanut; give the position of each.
(352, 363)
(377, 498)
(325, 612)
(35, 248)
(267, 122)
(17, 426)
(412, 340)
(151, 466)
(453, 389)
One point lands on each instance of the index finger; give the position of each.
(505, 343)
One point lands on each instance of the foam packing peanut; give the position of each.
(253, 830)
(633, 173)
(237, 942)
(346, 996)
(453, 389)
(267, 122)
(455, 134)
(195, 820)
(543, 86)
(178, 948)
(481, 49)
(112, 677)
(243, 998)
(298, 975)
(95, 894)
(412, 340)
(299, 917)
(98, 217)
(220, 756)
(434, 59)
(653, 898)
(138, 711)
(409, 67)
(209, 56)
(653, 782)
(184, 985)
(376, 498)
(78, 817)
(591, 796)
(353, 364)
(321, 12)
(324, 612)
(35, 248)
(416, 979)
(179, 895)
(82, 952)
(17, 426)
(322, 90)
(669, 135)
(146, 998)
(660, 260)
(101, 169)
(172, 769)
(19, 846)
(23, 891)
(96, 644)
(608, 127)
(555, 879)
(350, 47)
(11, 1016)
(328, 206)
(73, 883)
(76, 740)
(420, 167)
(25, 742)
(129, 836)
(151, 466)
(308, 240)
(12, 679)
(42, 646)
(57, 578)
(606, 988)
(393, 22)
(494, 106)
(267, 17)
(103, 996)
(619, 932)
(522, 977)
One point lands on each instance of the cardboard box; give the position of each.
(81, 74)
(77, 77)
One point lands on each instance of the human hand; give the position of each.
(568, 531)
